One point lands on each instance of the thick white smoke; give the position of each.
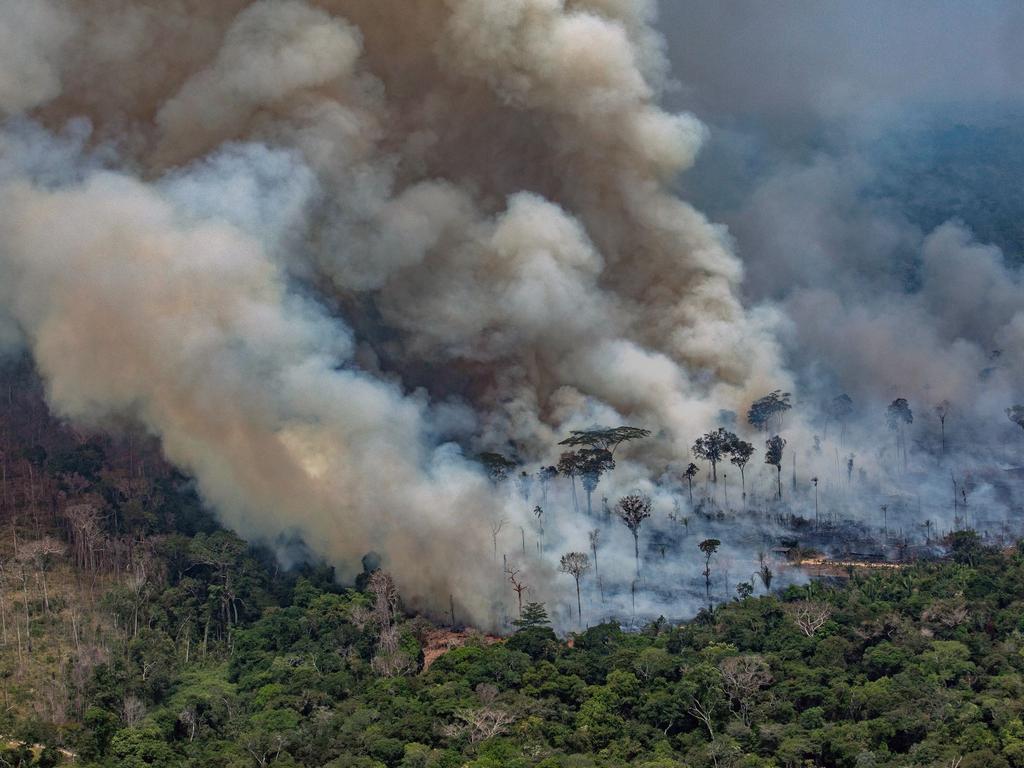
(309, 244)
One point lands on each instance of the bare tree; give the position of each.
(576, 564)
(632, 510)
(742, 678)
(41, 553)
(133, 710)
(386, 597)
(518, 585)
(483, 722)
(496, 527)
(809, 615)
(942, 411)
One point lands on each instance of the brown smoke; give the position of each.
(478, 188)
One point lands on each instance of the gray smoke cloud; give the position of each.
(326, 251)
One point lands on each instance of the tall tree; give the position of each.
(898, 415)
(712, 448)
(942, 411)
(576, 564)
(740, 452)
(689, 474)
(762, 411)
(544, 477)
(773, 456)
(593, 462)
(497, 466)
(604, 438)
(840, 410)
(518, 585)
(632, 510)
(709, 547)
(569, 466)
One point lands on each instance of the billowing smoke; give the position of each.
(329, 251)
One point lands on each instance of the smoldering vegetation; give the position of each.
(361, 268)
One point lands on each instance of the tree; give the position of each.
(897, 416)
(632, 510)
(1016, 415)
(773, 456)
(712, 447)
(604, 438)
(496, 526)
(814, 480)
(593, 462)
(809, 615)
(764, 572)
(569, 466)
(763, 410)
(689, 474)
(742, 678)
(942, 411)
(709, 547)
(518, 585)
(575, 564)
(595, 542)
(483, 722)
(840, 410)
(532, 615)
(497, 466)
(740, 452)
(544, 477)
(42, 553)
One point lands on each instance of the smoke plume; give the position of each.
(328, 251)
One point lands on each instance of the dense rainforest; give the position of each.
(135, 631)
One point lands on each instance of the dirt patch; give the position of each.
(440, 640)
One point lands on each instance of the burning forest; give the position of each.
(448, 286)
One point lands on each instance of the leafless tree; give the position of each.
(518, 586)
(809, 615)
(496, 527)
(390, 660)
(483, 722)
(742, 678)
(41, 554)
(133, 710)
(575, 564)
(386, 597)
(942, 411)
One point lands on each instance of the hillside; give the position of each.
(136, 632)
